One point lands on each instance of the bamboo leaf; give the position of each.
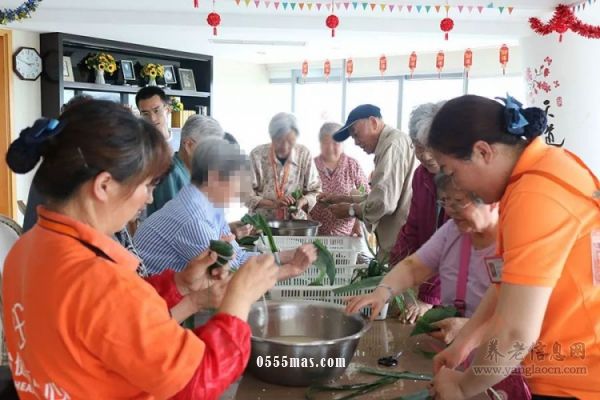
(363, 284)
(436, 314)
(400, 375)
(325, 261)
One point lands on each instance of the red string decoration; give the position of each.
(196, 3)
(564, 19)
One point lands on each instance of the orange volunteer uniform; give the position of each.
(81, 324)
(547, 215)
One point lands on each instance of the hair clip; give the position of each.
(515, 120)
(42, 130)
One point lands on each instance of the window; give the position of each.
(419, 91)
(383, 94)
(498, 87)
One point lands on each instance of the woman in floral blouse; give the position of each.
(339, 174)
(281, 168)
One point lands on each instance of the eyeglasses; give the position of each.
(155, 111)
(455, 205)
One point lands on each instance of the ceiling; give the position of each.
(288, 35)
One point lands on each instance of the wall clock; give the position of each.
(27, 63)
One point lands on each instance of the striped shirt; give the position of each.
(182, 229)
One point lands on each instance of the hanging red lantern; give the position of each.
(412, 63)
(304, 69)
(349, 67)
(214, 20)
(196, 3)
(504, 57)
(468, 61)
(382, 64)
(327, 69)
(332, 22)
(439, 62)
(446, 25)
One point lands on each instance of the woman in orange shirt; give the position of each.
(80, 323)
(542, 315)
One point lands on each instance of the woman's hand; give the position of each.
(449, 329)
(446, 385)
(340, 210)
(414, 311)
(248, 284)
(195, 275)
(451, 357)
(240, 230)
(303, 258)
(212, 296)
(285, 201)
(376, 300)
(332, 198)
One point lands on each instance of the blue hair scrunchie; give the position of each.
(25, 152)
(514, 118)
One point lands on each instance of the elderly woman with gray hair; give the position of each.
(284, 175)
(195, 129)
(425, 215)
(339, 174)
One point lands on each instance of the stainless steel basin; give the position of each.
(294, 227)
(299, 343)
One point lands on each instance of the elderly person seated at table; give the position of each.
(340, 174)
(184, 227)
(280, 169)
(86, 325)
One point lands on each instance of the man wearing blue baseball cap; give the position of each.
(385, 209)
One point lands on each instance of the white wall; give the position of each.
(26, 105)
(575, 66)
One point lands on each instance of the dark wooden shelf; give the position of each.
(129, 89)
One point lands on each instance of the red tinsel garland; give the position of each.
(563, 20)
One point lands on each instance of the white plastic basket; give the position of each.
(343, 275)
(333, 243)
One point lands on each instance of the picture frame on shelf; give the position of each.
(68, 69)
(186, 79)
(169, 77)
(128, 70)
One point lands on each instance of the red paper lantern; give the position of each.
(349, 67)
(327, 69)
(304, 69)
(439, 62)
(382, 64)
(504, 57)
(468, 61)
(412, 63)
(214, 20)
(332, 22)
(446, 25)
(196, 3)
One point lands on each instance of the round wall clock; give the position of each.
(27, 63)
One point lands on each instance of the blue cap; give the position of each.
(361, 112)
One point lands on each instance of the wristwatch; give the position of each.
(351, 211)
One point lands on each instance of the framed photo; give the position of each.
(68, 69)
(186, 78)
(170, 75)
(128, 71)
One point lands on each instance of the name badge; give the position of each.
(494, 267)
(595, 237)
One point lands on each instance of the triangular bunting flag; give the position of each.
(590, 2)
(285, 4)
(409, 7)
(500, 9)
(328, 6)
(319, 6)
(365, 5)
(382, 5)
(373, 6)
(338, 5)
(460, 8)
(427, 8)
(419, 8)
(391, 6)
(237, 2)
(354, 4)
(491, 5)
(301, 5)
(480, 8)
(510, 9)
(346, 5)
(309, 5)
(470, 8)
(276, 5)
(447, 8)
(247, 2)
(267, 4)
(400, 7)
(257, 3)
(583, 6)
(293, 5)
(437, 8)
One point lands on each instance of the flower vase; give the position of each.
(151, 82)
(100, 77)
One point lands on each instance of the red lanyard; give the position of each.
(463, 275)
